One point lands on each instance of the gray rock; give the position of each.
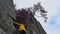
(6, 24)
(35, 27)
(2, 31)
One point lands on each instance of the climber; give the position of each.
(20, 28)
(21, 21)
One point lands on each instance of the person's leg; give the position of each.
(22, 32)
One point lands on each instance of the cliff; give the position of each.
(35, 27)
(6, 24)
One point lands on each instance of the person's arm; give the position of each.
(16, 25)
(11, 17)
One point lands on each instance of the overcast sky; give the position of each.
(53, 8)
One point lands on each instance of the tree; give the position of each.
(34, 26)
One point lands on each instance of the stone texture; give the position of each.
(6, 24)
(5, 21)
(2, 31)
(35, 27)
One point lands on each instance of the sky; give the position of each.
(52, 6)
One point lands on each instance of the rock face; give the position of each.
(35, 27)
(6, 26)
(2, 31)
